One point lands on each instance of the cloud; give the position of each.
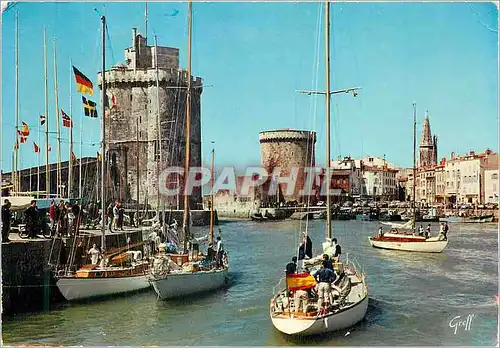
(4, 5)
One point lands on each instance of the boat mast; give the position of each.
(160, 162)
(328, 232)
(47, 170)
(58, 126)
(188, 132)
(211, 234)
(70, 162)
(103, 134)
(414, 160)
(17, 182)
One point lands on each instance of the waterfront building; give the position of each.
(354, 170)
(287, 149)
(134, 146)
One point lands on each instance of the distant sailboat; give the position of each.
(397, 238)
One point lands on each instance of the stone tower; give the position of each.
(428, 146)
(287, 148)
(133, 87)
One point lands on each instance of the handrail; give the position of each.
(277, 285)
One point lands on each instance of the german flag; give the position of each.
(300, 281)
(89, 107)
(42, 120)
(83, 84)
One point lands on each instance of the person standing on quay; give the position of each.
(6, 217)
(116, 212)
(31, 215)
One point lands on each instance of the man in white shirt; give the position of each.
(94, 254)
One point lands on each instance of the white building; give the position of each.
(491, 185)
(465, 176)
(380, 182)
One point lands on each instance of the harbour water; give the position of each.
(415, 298)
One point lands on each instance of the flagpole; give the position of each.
(81, 156)
(38, 170)
(16, 180)
(47, 170)
(70, 130)
(58, 126)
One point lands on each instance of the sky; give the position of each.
(253, 57)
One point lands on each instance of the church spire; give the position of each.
(428, 144)
(426, 139)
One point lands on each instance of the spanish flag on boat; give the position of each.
(83, 83)
(300, 281)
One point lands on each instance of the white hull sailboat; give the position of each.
(189, 276)
(177, 284)
(120, 271)
(349, 301)
(351, 310)
(409, 242)
(104, 282)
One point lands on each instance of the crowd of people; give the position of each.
(62, 218)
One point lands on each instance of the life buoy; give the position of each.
(394, 230)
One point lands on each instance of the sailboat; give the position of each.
(352, 298)
(120, 271)
(175, 275)
(404, 237)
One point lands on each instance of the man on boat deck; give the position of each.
(446, 228)
(326, 259)
(428, 231)
(325, 277)
(421, 230)
(380, 232)
(291, 267)
(94, 254)
(220, 251)
(338, 251)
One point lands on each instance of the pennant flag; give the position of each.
(42, 120)
(66, 120)
(73, 157)
(36, 148)
(99, 158)
(89, 107)
(22, 136)
(110, 98)
(83, 84)
(26, 130)
(300, 281)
